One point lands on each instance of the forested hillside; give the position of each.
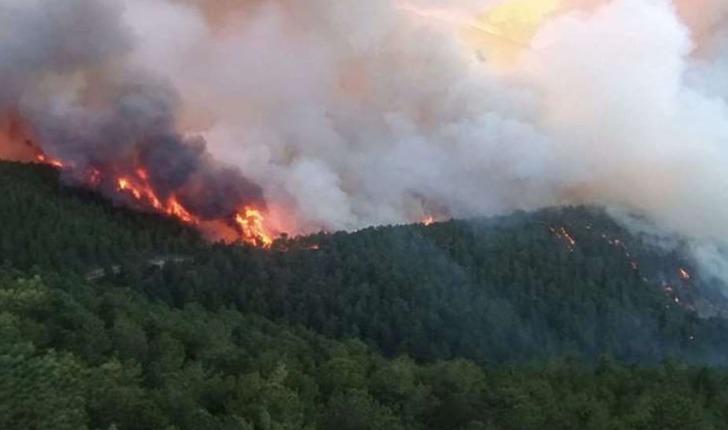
(74, 355)
(554, 320)
(47, 225)
(512, 289)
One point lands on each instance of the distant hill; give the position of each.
(516, 288)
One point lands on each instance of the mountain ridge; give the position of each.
(527, 286)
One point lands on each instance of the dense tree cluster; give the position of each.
(495, 291)
(64, 228)
(111, 319)
(75, 355)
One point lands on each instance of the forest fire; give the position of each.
(216, 200)
(142, 192)
(248, 222)
(376, 126)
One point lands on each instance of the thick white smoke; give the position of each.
(351, 113)
(356, 113)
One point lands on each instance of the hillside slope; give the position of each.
(49, 225)
(511, 289)
(499, 290)
(158, 339)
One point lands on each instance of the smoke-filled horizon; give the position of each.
(342, 114)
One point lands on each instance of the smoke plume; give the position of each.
(69, 90)
(343, 113)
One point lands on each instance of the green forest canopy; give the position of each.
(486, 324)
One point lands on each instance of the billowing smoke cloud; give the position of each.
(350, 113)
(65, 75)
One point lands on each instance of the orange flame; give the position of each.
(125, 185)
(175, 208)
(250, 222)
(427, 221)
(43, 159)
(252, 227)
(142, 192)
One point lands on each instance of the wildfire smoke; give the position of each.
(265, 116)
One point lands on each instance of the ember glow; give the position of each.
(42, 159)
(684, 274)
(428, 220)
(565, 235)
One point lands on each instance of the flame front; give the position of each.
(249, 222)
(142, 192)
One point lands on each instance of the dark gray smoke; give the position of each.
(42, 37)
(63, 72)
